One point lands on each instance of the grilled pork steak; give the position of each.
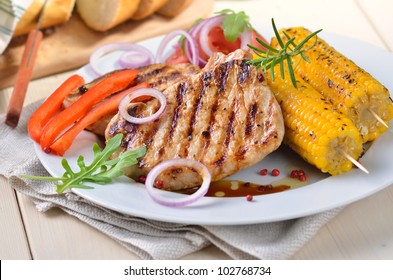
(225, 117)
(159, 76)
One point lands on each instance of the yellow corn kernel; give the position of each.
(352, 90)
(313, 128)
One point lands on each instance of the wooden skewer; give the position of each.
(355, 162)
(378, 118)
(23, 79)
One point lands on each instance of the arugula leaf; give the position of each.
(234, 24)
(101, 171)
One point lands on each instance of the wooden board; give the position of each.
(71, 44)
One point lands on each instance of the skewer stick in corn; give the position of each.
(352, 90)
(355, 162)
(378, 118)
(323, 136)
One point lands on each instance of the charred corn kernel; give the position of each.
(348, 87)
(313, 128)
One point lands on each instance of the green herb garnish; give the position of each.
(234, 24)
(182, 38)
(101, 171)
(270, 57)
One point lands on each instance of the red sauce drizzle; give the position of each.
(235, 188)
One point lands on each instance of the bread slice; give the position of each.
(102, 15)
(174, 7)
(56, 12)
(147, 8)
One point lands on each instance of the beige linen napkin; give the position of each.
(150, 239)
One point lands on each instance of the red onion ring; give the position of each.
(133, 59)
(204, 33)
(194, 59)
(245, 38)
(187, 199)
(194, 31)
(123, 105)
(206, 25)
(108, 48)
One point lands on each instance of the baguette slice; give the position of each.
(56, 12)
(102, 15)
(174, 7)
(147, 8)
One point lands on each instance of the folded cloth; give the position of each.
(10, 13)
(150, 239)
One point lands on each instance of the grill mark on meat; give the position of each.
(205, 81)
(181, 91)
(230, 77)
(143, 77)
(224, 70)
(251, 119)
(268, 125)
(114, 129)
(172, 76)
(228, 136)
(244, 72)
(220, 80)
(149, 137)
(212, 120)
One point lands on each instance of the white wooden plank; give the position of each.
(56, 235)
(342, 17)
(363, 230)
(13, 242)
(379, 13)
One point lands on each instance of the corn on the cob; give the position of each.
(314, 129)
(352, 90)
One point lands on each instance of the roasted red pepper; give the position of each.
(111, 84)
(51, 106)
(108, 106)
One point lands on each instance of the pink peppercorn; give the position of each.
(275, 172)
(263, 172)
(302, 178)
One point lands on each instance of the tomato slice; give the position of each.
(217, 43)
(255, 43)
(177, 57)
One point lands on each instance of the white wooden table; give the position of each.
(363, 230)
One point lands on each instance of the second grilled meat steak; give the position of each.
(159, 76)
(225, 117)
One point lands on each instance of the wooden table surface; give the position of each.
(363, 230)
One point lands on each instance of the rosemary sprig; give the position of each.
(269, 57)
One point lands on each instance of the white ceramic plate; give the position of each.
(320, 194)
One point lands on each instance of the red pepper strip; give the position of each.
(111, 84)
(108, 106)
(51, 105)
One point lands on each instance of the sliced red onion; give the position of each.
(125, 102)
(194, 31)
(194, 59)
(108, 48)
(133, 59)
(186, 199)
(245, 38)
(204, 33)
(208, 24)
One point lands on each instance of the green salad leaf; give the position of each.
(101, 171)
(234, 24)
